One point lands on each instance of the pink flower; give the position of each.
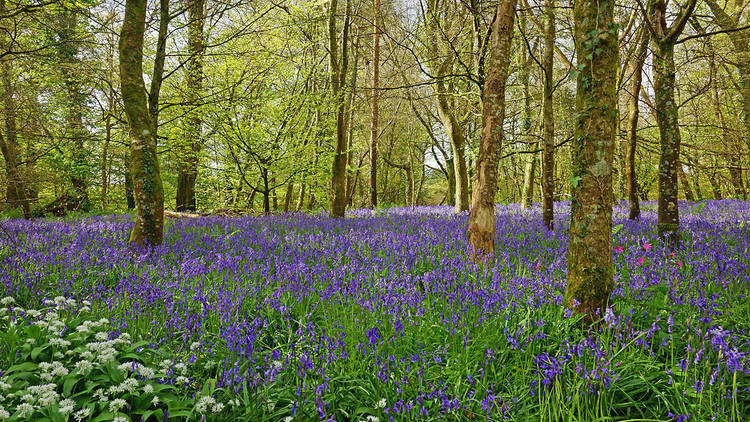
(619, 249)
(641, 260)
(647, 246)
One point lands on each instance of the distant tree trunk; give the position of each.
(338, 77)
(527, 194)
(548, 155)
(481, 230)
(75, 102)
(685, 183)
(187, 168)
(664, 39)
(590, 267)
(374, 125)
(350, 173)
(129, 198)
(301, 199)
(149, 194)
(288, 196)
(105, 150)
(633, 114)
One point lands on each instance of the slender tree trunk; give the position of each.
(149, 194)
(685, 184)
(666, 113)
(288, 196)
(374, 125)
(527, 193)
(633, 115)
(548, 155)
(350, 184)
(129, 197)
(338, 76)
(301, 199)
(187, 169)
(590, 267)
(481, 230)
(105, 150)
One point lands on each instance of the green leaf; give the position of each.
(68, 385)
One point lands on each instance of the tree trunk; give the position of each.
(664, 40)
(481, 230)
(685, 184)
(129, 197)
(144, 163)
(75, 103)
(338, 76)
(190, 146)
(105, 150)
(374, 125)
(548, 155)
(16, 193)
(527, 194)
(350, 183)
(301, 199)
(633, 114)
(590, 266)
(288, 196)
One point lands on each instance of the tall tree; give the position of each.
(338, 70)
(548, 116)
(482, 215)
(636, 66)
(590, 266)
(527, 195)
(374, 125)
(187, 169)
(454, 128)
(75, 99)
(664, 37)
(144, 163)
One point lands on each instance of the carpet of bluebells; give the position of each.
(384, 316)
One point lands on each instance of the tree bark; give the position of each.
(548, 154)
(481, 230)
(144, 163)
(338, 76)
(685, 183)
(75, 103)
(633, 115)
(664, 39)
(16, 193)
(375, 92)
(187, 169)
(590, 266)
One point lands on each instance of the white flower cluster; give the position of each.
(52, 370)
(207, 402)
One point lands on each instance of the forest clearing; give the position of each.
(378, 316)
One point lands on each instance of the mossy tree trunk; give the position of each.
(590, 266)
(481, 230)
(189, 148)
(548, 154)
(374, 120)
(144, 163)
(338, 71)
(527, 194)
